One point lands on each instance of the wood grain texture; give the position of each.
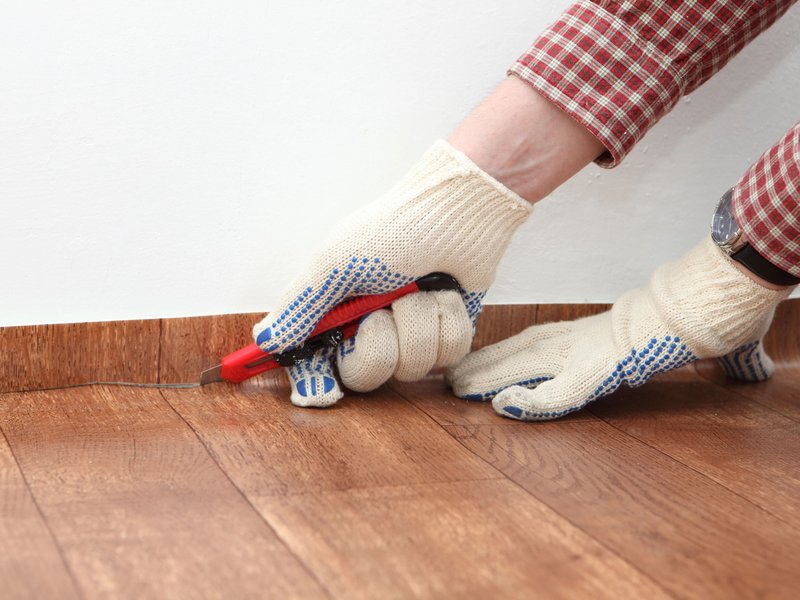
(30, 563)
(271, 448)
(379, 501)
(474, 539)
(783, 339)
(781, 393)
(190, 345)
(137, 504)
(743, 445)
(688, 534)
(498, 322)
(47, 356)
(687, 486)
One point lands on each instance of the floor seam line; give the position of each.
(522, 488)
(449, 435)
(537, 499)
(241, 493)
(704, 475)
(386, 486)
(46, 522)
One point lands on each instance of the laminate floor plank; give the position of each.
(137, 505)
(30, 563)
(379, 501)
(741, 444)
(271, 448)
(686, 532)
(469, 539)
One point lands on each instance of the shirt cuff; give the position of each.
(603, 74)
(766, 203)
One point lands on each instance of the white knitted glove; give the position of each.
(446, 215)
(700, 306)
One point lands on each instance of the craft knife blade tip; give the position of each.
(212, 375)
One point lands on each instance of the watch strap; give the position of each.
(750, 258)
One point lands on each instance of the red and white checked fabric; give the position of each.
(766, 203)
(617, 67)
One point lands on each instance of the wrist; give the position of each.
(705, 299)
(729, 235)
(524, 141)
(762, 282)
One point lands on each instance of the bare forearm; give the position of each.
(524, 141)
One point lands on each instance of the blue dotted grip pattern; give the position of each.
(359, 277)
(745, 363)
(347, 347)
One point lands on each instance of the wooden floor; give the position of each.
(688, 487)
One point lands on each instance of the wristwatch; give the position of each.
(729, 236)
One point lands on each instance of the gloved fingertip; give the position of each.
(311, 387)
(316, 392)
(313, 381)
(513, 402)
(514, 411)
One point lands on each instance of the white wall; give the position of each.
(168, 158)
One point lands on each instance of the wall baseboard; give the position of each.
(176, 350)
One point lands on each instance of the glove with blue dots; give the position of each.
(700, 306)
(446, 215)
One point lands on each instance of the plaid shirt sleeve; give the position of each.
(618, 66)
(766, 203)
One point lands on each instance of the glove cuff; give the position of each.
(447, 159)
(705, 299)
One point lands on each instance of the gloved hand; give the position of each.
(446, 215)
(700, 306)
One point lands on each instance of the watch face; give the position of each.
(724, 228)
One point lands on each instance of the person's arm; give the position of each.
(617, 67)
(525, 141)
(597, 80)
(766, 203)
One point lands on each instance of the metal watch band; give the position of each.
(762, 267)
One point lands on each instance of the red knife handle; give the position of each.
(252, 360)
(245, 363)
